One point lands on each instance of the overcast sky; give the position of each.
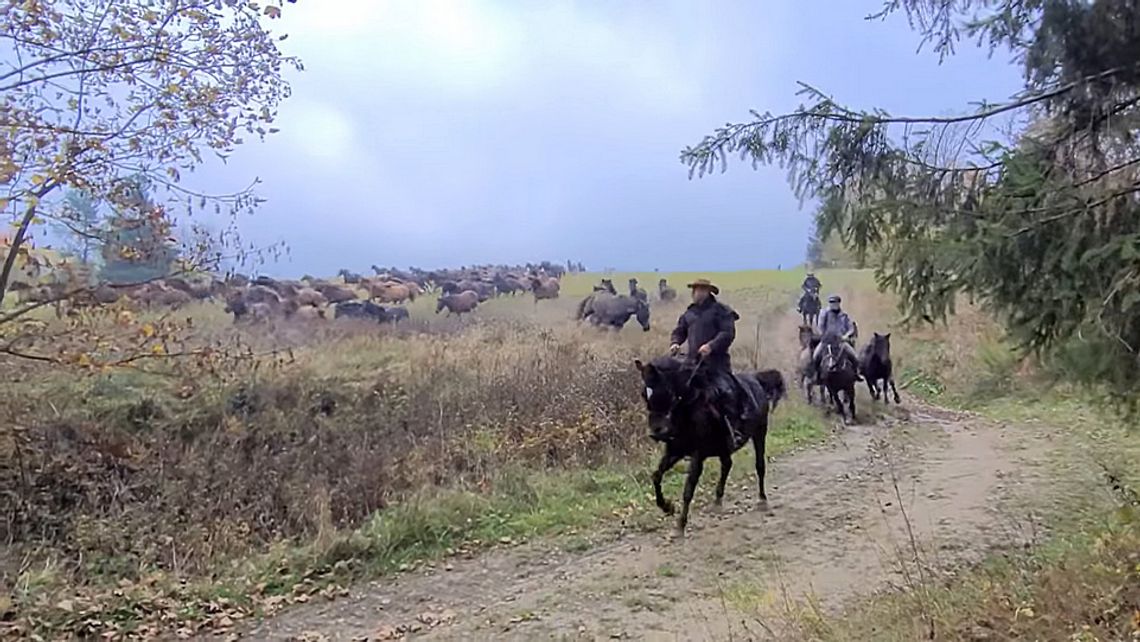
(440, 133)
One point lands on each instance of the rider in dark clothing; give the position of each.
(811, 284)
(709, 327)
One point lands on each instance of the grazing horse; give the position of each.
(664, 292)
(806, 369)
(609, 311)
(875, 366)
(809, 307)
(682, 415)
(837, 374)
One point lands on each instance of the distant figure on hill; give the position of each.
(664, 292)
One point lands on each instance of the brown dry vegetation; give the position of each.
(116, 481)
(140, 503)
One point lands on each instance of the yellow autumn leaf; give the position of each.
(157, 349)
(3, 203)
(83, 360)
(38, 179)
(148, 330)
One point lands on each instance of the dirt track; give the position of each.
(835, 531)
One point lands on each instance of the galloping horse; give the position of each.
(605, 310)
(682, 415)
(806, 369)
(875, 366)
(809, 307)
(837, 374)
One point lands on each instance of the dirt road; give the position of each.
(837, 529)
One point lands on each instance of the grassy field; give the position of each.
(148, 496)
(155, 500)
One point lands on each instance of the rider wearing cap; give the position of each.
(709, 327)
(834, 319)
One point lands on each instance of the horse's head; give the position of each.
(881, 345)
(832, 356)
(642, 313)
(440, 305)
(667, 389)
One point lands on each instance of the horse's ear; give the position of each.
(887, 336)
(639, 364)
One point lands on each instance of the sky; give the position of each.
(440, 133)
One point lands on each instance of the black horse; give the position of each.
(837, 374)
(875, 366)
(809, 307)
(682, 415)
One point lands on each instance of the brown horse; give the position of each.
(805, 369)
(544, 288)
(389, 291)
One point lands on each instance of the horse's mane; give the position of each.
(668, 364)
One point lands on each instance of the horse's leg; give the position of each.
(759, 445)
(838, 402)
(891, 382)
(851, 402)
(696, 466)
(872, 387)
(725, 466)
(668, 460)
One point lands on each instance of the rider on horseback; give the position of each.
(835, 320)
(811, 284)
(709, 326)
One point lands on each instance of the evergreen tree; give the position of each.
(1041, 225)
(79, 225)
(136, 243)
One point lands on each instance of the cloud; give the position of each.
(435, 132)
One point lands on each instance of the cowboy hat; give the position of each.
(704, 283)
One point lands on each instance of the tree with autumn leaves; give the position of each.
(96, 95)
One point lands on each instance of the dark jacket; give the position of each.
(711, 322)
(837, 322)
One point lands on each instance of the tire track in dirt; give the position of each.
(835, 531)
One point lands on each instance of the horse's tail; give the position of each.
(773, 384)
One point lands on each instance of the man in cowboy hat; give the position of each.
(834, 319)
(709, 327)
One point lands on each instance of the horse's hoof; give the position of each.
(763, 507)
(678, 532)
(667, 508)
